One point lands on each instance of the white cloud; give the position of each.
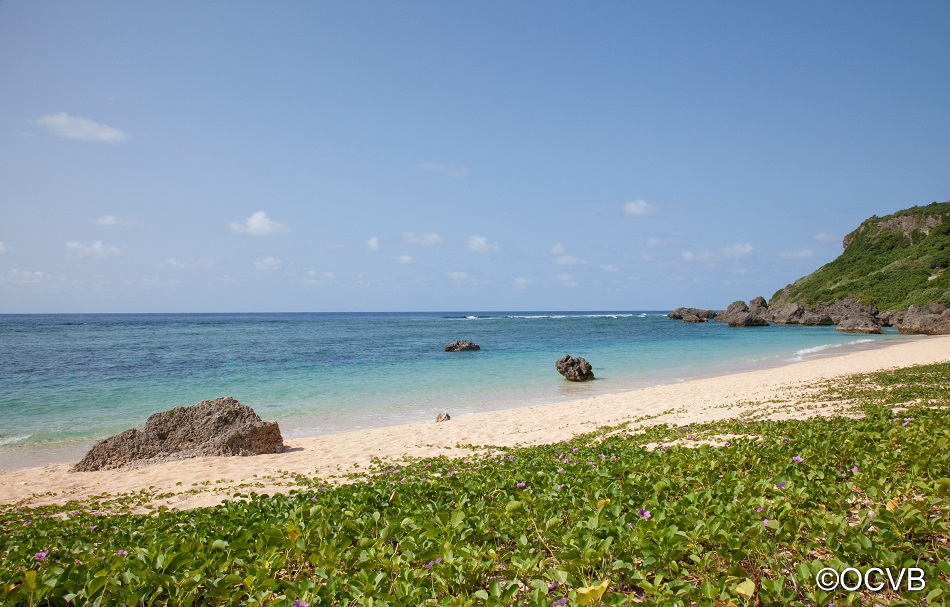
(457, 275)
(112, 220)
(404, 259)
(823, 237)
(435, 167)
(639, 208)
(567, 260)
(654, 242)
(557, 249)
(4, 248)
(566, 279)
(24, 277)
(802, 254)
(96, 249)
(480, 244)
(609, 268)
(205, 263)
(322, 279)
(74, 127)
(258, 224)
(690, 256)
(372, 244)
(522, 283)
(425, 240)
(268, 263)
(737, 251)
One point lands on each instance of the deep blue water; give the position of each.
(68, 380)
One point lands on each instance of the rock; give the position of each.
(461, 345)
(574, 369)
(933, 320)
(788, 314)
(442, 417)
(859, 323)
(738, 314)
(222, 426)
(812, 318)
(845, 308)
(695, 314)
(759, 307)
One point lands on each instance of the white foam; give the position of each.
(814, 350)
(13, 439)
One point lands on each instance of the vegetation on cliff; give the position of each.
(893, 261)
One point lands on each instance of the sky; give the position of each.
(301, 156)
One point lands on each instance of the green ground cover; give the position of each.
(746, 520)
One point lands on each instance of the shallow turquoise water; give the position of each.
(68, 380)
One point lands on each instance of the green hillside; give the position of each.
(892, 261)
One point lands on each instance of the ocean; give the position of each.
(69, 380)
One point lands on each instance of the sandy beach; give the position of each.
(777, 392)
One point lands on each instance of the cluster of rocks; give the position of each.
(222, 426)
(462, 345)
(574, 369)
(847, 315)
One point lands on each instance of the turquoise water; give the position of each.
(68, 380)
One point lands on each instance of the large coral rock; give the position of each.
(738, 314)
(859, 323)
(222, 426)
(933, 320)
(574, 369)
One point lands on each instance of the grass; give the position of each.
(738, 512)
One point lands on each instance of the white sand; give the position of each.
(205, 481)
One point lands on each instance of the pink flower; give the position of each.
(855, 470)
(41, 555)
(520, 485)
(798, 459)
(644, 514)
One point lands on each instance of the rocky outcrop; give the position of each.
(759, 307)
(738, 314)
(461, 345)
(222, 426)
(848, 307)
(787, 314)
(861, 323)
(574, 369)
(811, 318)
(932, 320)
(442, 417)
(692, 314)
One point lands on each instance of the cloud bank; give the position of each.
(76, 127)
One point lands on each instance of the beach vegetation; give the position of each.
(657, 515)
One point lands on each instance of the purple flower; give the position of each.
(780, 485)
(766, 522)
(559, 602)
(855, 469)
(299, 603)
(906, 421)
(798, 459)
(27, 523)
(644, 514)
(520, 485)
(122, 552)
(41, 555)
(560, 470)
(602, 456)
(92, 527)
(511, 458)
(559, 487)
(759, 509)
(553, 585)
(433, 562)
(575, 449)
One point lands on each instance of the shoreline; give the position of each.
(779, 391)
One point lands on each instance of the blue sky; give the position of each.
(364, 156)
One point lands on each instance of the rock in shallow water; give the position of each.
(574, 369)
(222, 426)
(461, 345)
